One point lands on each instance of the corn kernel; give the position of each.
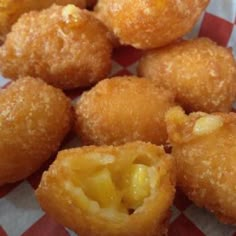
(71, 13)
(177, 115)
(207, 124)
(80, 199)
(101, 188)
(137, 186)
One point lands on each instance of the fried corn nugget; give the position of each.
(110, 191)
(11, 10)
(204, 146)
(150, 23)
(65, 46)
(201, 73)
(121, 110)
(34, 118)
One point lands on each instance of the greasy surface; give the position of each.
(11, 10)
(149, 219)
(206, 163)
(65, 46)
(151, 23)
(123, 109)
(201, 73)
(34, 118)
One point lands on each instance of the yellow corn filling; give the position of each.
(101, 188)
(98, 190)
(207, 124)
(71, 13)
(137, 186)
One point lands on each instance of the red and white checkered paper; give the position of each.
(20, 214)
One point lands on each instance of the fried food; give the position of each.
(121, 110)
(201, 73)
(34, 118)
(11, 10)
(204, 146)
(150, 23)
(110, 191)
(65, 46)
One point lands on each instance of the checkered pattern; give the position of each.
(20, 213)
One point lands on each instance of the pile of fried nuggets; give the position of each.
(121, 182)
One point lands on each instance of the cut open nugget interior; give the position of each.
(204, 146)
(108, 190)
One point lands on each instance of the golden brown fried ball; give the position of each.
(121, 110)
(11, 10)
(65, 46)
(110, 191)
(34, 118)
(150, 23)
(114, 40)
(204, 146)
(201, 73)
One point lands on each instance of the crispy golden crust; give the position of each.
(34, 118)
(123, 109)
(149, 219)
(201, 73)
(11, 10)
(151, 23)
(206, 158)
(114, 39)
(65, 46)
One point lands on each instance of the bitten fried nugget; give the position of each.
(11, 10)
(65, 46)
(150, 23)
(123, 109)
(204, 146)
(110, 191)
(201, 73)
(34, 118)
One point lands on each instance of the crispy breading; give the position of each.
(34, 118)
(204, 146)
(201, 73)
(86, 190)
(123, 109)
(150, 23)
(65, 46)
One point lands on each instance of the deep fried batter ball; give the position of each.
(121, 110)
(11, 10)
(65, 46)
(34, 118)
(201, 73)
(150, 23)
(204, 146)
(110, 191)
